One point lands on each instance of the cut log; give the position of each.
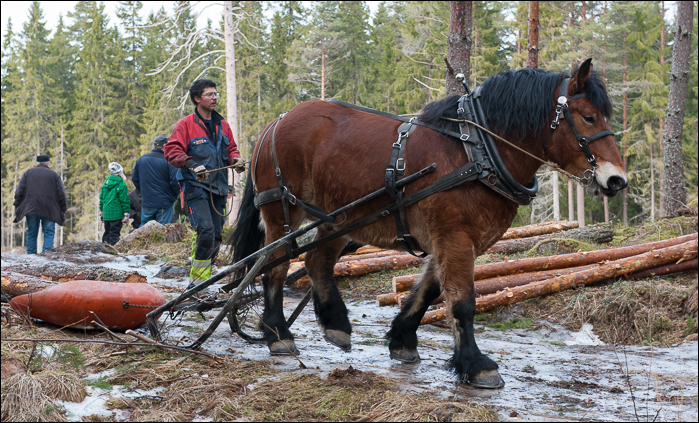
(667, 269)
(362, 267)
(598, 234)
(538, 229)
(63, 273)
(505, 268)
(14, 284)
(150, 228)
(361, 253)
(491, 285)
(609, 270)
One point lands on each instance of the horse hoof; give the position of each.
(286, 347)
(405, 355)
(487, 379)
(339, 339)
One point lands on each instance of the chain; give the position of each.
(552, 165)
(127, 305)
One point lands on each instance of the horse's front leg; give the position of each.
(403, 334)
(279, 339)
(456, 258)
(327, 302)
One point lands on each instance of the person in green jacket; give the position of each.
(114, 203)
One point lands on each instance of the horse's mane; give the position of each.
(517, 103)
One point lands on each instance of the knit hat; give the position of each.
(115, 168)
(42, 158)
(160, 140)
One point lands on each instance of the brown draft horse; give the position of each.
(330, 156)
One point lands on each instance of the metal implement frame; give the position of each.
(260, 258)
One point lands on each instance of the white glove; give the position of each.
(126, 218)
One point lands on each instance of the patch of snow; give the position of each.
(95, 403)
(584, 337)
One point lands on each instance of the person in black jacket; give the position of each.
(156, 180)
(135, 200)
(40, 197)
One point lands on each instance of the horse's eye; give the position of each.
(589, 119)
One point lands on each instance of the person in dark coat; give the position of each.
(40, 197)
(156, 179)
(135, 200)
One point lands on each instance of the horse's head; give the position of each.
(584, 144)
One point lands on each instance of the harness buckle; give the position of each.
(278, 172)
(400, 165)
(464, 137)
(591, 159)
(385, 213)
(289, 196)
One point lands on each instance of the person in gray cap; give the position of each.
(156, 180)
(40, 197)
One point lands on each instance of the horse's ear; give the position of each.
(577, 83)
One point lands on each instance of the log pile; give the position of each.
(504, 283)
(369, 259)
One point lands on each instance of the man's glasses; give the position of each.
(212, 95)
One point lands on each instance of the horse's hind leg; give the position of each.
(403, 334)
(327, 302)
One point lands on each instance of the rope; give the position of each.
(552, 165)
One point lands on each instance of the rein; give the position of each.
(550, 164)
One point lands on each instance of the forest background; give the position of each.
(94, 91)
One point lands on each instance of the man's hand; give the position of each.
(238, 165)
(126, 218)
(199, 169)
(100, 214)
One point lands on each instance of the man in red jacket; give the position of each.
(201, 142)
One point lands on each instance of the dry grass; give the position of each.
(354, 396)
(645, 312)
(24, 399)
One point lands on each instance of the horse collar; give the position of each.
(562, 108)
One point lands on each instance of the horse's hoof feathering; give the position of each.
(405, 355)
(285, 347)
(486, 379)
(339, 338)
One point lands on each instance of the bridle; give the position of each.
(583, 142)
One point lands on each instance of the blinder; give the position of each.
(583, 142)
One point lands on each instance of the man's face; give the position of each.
(208, 99)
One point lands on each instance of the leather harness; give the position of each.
(484, 164)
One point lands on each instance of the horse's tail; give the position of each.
(248, 236)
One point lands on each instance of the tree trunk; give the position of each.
(580, 195)
(588, 277)
(652, 185)
(65, 273)
(232, 105)
(571, 201)
(362, 267)
(598, 234)
(556, 196)
(675, 192)
(14, 284)
(533, 40)
(459, 44)
(625, 124)
(538, 229)
(661, 123)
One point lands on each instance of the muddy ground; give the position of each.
(623, 351)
